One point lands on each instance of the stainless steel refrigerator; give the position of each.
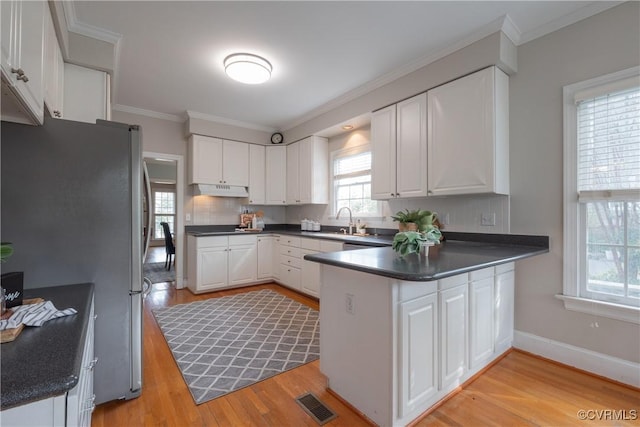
(71, 204)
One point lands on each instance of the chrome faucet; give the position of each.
(350, 218)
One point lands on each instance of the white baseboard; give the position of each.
(604, 365)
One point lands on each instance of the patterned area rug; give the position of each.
(156, 272)
(224, 344)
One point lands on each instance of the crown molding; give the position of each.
(226, 121)
(580, 14)
(431, 57)
(75, 26)
(148, 113)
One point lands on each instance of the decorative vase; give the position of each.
(407, 226)
(12, 283)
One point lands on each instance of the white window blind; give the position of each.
(352, 182)
(608, 133)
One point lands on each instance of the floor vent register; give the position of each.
(315, 408)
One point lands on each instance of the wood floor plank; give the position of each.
(520, 390)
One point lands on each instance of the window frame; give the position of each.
(574, 242)
(161, 189)
(345, 152)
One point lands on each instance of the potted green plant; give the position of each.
(414, 220)
(6, 250)
(407, 242)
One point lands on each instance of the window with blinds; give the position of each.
(608, 186)
(352, 182)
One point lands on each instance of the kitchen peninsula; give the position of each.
(400, 334)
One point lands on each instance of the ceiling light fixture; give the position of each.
(247, 68)
(347, 127)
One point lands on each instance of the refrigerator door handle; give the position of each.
(136, 341)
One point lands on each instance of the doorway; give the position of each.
(165, 172)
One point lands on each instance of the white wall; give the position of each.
(463, 212)
(604, 43)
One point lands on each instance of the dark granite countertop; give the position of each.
(450, 258)
(45, 361)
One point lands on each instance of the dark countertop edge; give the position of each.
(374, 240)
(422, 277)
(18, 397)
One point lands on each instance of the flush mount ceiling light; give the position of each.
(247, 68)
(347, 127)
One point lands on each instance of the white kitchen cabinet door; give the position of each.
(309, 275)
(411, 147)
(289, 276)
(453, 326)
(204, 160)
(243, 264)
(212, 268)
(265, 256)
(53, 80)
(504, 301)
(276, 175)
(313, 170)
(275, 257)
(468, 135)
(383, 153)
(418, 356)
(293, 174)
(22, 60)
(235, 163)
(86, 94)
(481, 318)
(257, 174)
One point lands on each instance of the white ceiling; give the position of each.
(170, 52)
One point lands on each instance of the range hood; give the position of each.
(220, 190)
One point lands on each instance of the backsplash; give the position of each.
(464, 213)
(208, 210)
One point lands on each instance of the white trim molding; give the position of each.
(148, 113)
(614, 368)
(226, 121)
(611, 310)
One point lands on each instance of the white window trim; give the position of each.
(343, 153)
(571, 243)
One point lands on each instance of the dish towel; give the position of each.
(34, 315)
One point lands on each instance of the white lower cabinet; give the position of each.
(290, 263)
(72, 409)
(430, 337)
(453, 344)
(418, 333)
(266, 249)
(215, 262)
(481, 317)
(309, 274)
(504, 303)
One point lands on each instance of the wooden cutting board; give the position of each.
(9, 335)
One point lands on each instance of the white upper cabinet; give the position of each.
(21, 62)
(257, 162)
(217, 161)
(399, 150)
(293, 170)
(276, 175)
(86, 94)
(235, 163)
(53, 70)
(468, 135)
(383, 153)
(308, 171)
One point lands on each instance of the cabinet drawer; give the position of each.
(312, 244)
(211, 241)
(503, 268)
(243, 240)
(330, 246)
(290, 276)
(290, 261)
(453, 281)
(481, 274)
(290, 251)
(290, 241)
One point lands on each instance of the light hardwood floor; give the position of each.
(520, 390)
